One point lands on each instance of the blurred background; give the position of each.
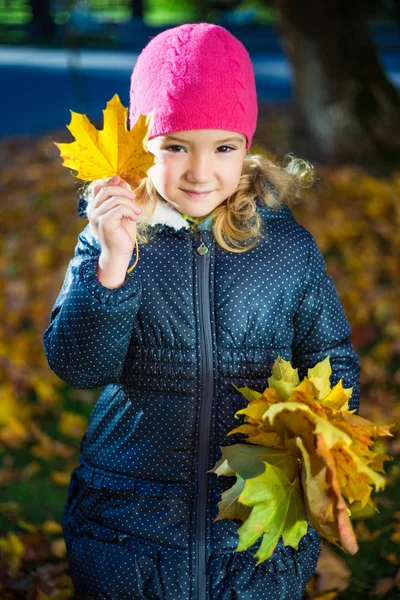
(328, 81)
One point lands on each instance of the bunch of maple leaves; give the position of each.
(304, 455)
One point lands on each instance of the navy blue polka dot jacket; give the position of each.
(165, 347)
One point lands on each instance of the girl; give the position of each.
(226, 281)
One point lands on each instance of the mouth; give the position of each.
(197, 195)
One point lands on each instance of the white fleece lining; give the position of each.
(166, 214)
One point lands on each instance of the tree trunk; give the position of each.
(137, 9)
(41, 17)
(351, 108)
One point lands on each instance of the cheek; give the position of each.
(155, 175)
(231, 173)
(170, 170)
(162, 175)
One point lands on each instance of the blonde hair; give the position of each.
(235, 220)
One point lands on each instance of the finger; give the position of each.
(109, 191)
(115, 214)
(100, 183)
(125, 184)
(96, 186)
(117, 180)
(113, 201)
(114, 180)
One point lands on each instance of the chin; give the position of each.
(193, 211)
(202, 213)
(198, 209)
(195, 208)
(199, 212)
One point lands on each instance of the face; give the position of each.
(197, 170)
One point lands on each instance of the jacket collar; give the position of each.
(167, 215)
(169, 218)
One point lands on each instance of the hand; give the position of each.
(112, 216)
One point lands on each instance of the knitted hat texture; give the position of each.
(196, 76)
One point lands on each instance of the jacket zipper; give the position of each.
(205, 421)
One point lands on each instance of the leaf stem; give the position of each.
(137, 256)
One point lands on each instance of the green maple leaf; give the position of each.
(230, 507)
(278, 510)
(247, 460)
(249, 499)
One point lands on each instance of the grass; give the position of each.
(40, 498)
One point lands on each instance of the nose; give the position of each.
(200, 168)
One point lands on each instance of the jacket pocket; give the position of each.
(110, 565)
(152, 511)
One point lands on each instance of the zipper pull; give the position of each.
(203, 248)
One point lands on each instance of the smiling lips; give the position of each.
(197, 194)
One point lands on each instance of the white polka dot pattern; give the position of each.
(77, 348)
(130, 517)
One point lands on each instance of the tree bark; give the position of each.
(137, 9)
(41, 17)
(351, 108)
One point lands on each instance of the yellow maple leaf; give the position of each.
(61, 478)
(12, 550)
(51, 527)
(112, 151)
(72, 424)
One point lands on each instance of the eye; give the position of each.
(228, 147)
(172, 148)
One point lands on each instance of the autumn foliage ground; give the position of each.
(356, 220)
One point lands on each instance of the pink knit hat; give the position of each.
(196, 76)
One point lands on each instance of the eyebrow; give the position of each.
(176, 139)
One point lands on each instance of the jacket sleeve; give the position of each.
(321, 328)
(90, 325)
